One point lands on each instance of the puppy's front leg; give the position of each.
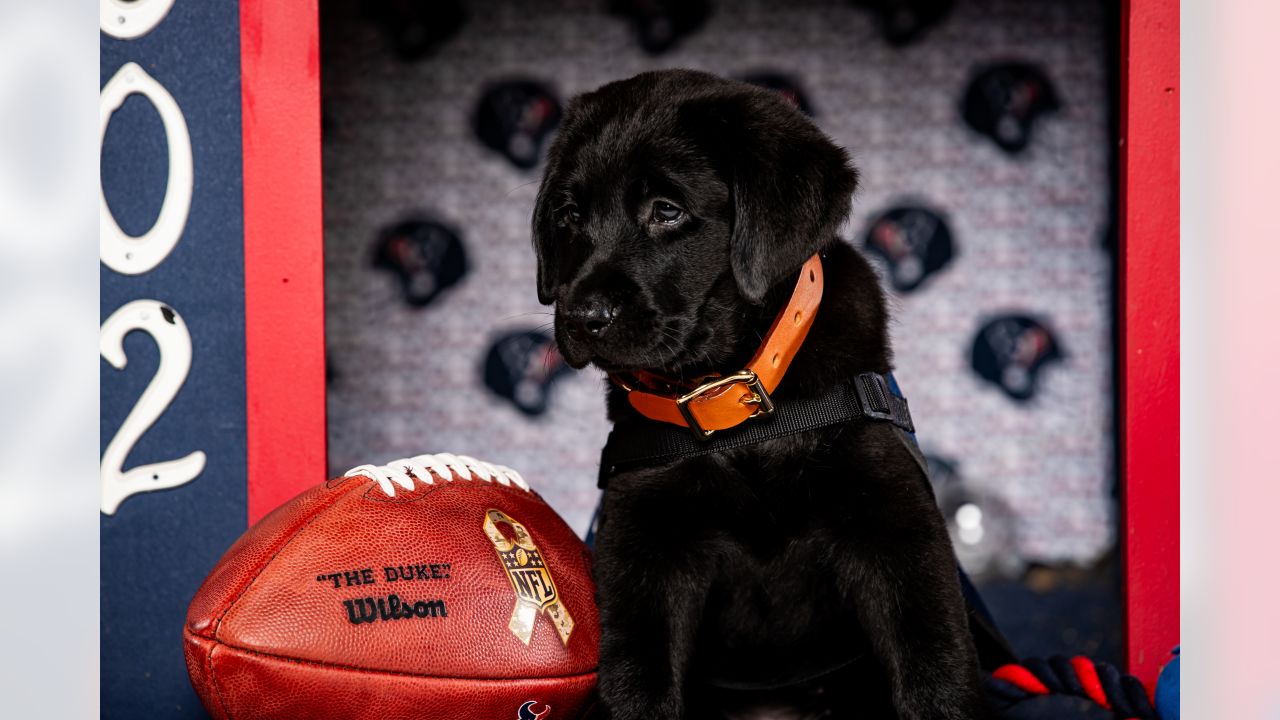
(651, 592)
(908, 599)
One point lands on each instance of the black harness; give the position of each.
(869, 397)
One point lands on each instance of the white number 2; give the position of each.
(170, 333)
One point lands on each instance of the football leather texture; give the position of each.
(438, 586)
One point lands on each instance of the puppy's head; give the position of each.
(672, 203)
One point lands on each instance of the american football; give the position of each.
(436, 586)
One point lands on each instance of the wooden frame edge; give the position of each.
(283, 250)
(1149, 331)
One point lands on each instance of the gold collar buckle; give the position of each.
(759, 397)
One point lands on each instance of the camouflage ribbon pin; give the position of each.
(530, 578)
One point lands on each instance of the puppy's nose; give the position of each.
(593, 317)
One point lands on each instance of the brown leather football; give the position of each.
(437, 586)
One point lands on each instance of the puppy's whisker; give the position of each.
(664, 335)
(522, 185)
(526, 314)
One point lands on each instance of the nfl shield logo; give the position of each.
(530, 578)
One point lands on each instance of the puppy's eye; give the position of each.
(666, 213)
(569, 215)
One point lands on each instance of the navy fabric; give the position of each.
(158, 546)
(1169, 688)
(1043, 670)
(896, 390)
(1062, 668)
(973, 599)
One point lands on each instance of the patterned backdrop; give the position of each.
(983, 143)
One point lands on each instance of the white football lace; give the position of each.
(445, 466)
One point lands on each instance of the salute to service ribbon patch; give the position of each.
(530, 578)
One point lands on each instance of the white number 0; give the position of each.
(135, 255)
(170, 334)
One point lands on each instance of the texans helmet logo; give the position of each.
(426, 255)
(1003, 101)
(415, 29)
(660, 24)
(1009, 351)
(914, 243)
(902, 22)
(522, 366)
(527, 711)
(515, 118)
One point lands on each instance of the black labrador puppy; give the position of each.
(812, 571)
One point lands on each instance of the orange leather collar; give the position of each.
(723, 402)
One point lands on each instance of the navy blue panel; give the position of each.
(158, 546)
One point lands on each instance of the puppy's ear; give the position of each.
(791, 185)
(544, 231)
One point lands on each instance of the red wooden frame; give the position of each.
(284, 289)
(283, 250)
(1148, 372)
